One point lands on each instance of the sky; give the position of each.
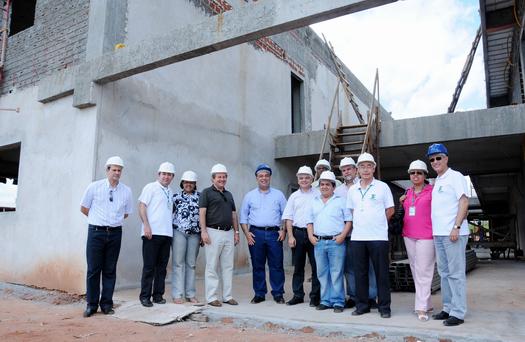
(419, 47)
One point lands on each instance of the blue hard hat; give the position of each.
(263, 166)
(436, 149)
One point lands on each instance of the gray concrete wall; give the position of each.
(43, 241)
(56, 41)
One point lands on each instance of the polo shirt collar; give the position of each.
(109, 185)
(448, 172)
(215, 189)
(374, 181)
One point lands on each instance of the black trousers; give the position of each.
(155, 255)
(304, 247)
(377, 252)
(102, 251)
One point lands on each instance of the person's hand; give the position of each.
(205, 237)
(250, 237)
(147, 232)
(235, 238)
(339, 239)
(313, 239)
(282, 235)
(291, 241)
(402, 198)
(454, 235)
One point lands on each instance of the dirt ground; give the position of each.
(38, 315)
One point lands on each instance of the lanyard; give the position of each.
(167, 194)
(364, 194)
(414, 195)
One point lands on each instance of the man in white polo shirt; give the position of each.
(372, 205)
(106, 203)
(155, 210)
(450, 231)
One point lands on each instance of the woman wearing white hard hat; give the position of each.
(186, 239)
(417, 233)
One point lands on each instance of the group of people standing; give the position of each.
(341, 227)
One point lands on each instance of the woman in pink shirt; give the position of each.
(417, 233)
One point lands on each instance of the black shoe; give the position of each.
(349, 304)
(452, 321)
(159, 301)
(89, 312)
(359, 313)
(442, 315)
(385, 314)
(372, 304)
(279, 300)
(338, 309)
(108, 311)
(321, 307)
(294, 301)
(257, 300)
(314, 303)
(146, 302)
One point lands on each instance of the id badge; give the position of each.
(412, 211)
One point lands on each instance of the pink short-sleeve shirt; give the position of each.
(418, 224)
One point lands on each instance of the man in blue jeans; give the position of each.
(106, 203)
(328, 226)
(260, 220)
(450, 231)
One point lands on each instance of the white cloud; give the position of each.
(420, 48)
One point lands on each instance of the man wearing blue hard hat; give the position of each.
(450, 231)
(260, 220)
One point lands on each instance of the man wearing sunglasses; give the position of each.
(106, 203)
(450, 231)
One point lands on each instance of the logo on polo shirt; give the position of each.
(440, 189)
(373, 197)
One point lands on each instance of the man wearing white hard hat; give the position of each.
(321, 166)
(155, 211)
(220, 234)
(106, 203)
(372, 205)
(328, 225)
(295, 216)
(186, 239)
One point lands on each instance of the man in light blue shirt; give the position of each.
(328, 226)
(260, 220)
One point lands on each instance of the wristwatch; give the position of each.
(457, 227)
(236, 232)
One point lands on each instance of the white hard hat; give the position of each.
(323, 162)
(218, 168)
(418, 165)
(189, 176)
(366, 157)
(167, 167)
(305, 170)
(327, 175)
(116, 160)
(346, 161)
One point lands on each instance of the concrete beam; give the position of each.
(299, 144)
(244, 24)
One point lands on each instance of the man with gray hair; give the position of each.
(106, 203)
(155, 211)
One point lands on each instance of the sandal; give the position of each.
(422, 316)
(192, 300)
(178, 301)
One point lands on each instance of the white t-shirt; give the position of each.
(159, 202)
(447, 191)
(369, 205)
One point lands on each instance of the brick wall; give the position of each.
(56, 41)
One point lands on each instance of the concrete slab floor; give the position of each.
(496, 305)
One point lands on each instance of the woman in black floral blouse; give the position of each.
(186, 239)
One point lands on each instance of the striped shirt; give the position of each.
(107, 205)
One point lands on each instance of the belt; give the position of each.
(106, 228)
(325, 237)
(272, 228)
(299, 228)
(216, 226)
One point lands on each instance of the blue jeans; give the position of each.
(102, 251)
(350, 276)
(450, 257)
(267, 248)
(185, 248)
(330, 258)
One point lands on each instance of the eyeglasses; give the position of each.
(435, 159)
(111, 195)
(419, 173)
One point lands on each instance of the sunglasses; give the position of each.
(419, 173)
(111, 195)
(435, 159)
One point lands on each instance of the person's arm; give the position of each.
(235, 221)
(289, 227)
(143, 213)
(389, 212)
(311, 237)
(204, 230)
(339, 239)
(461, 215)
(282, 226)
(84, 210)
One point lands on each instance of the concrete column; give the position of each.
(107, 26)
